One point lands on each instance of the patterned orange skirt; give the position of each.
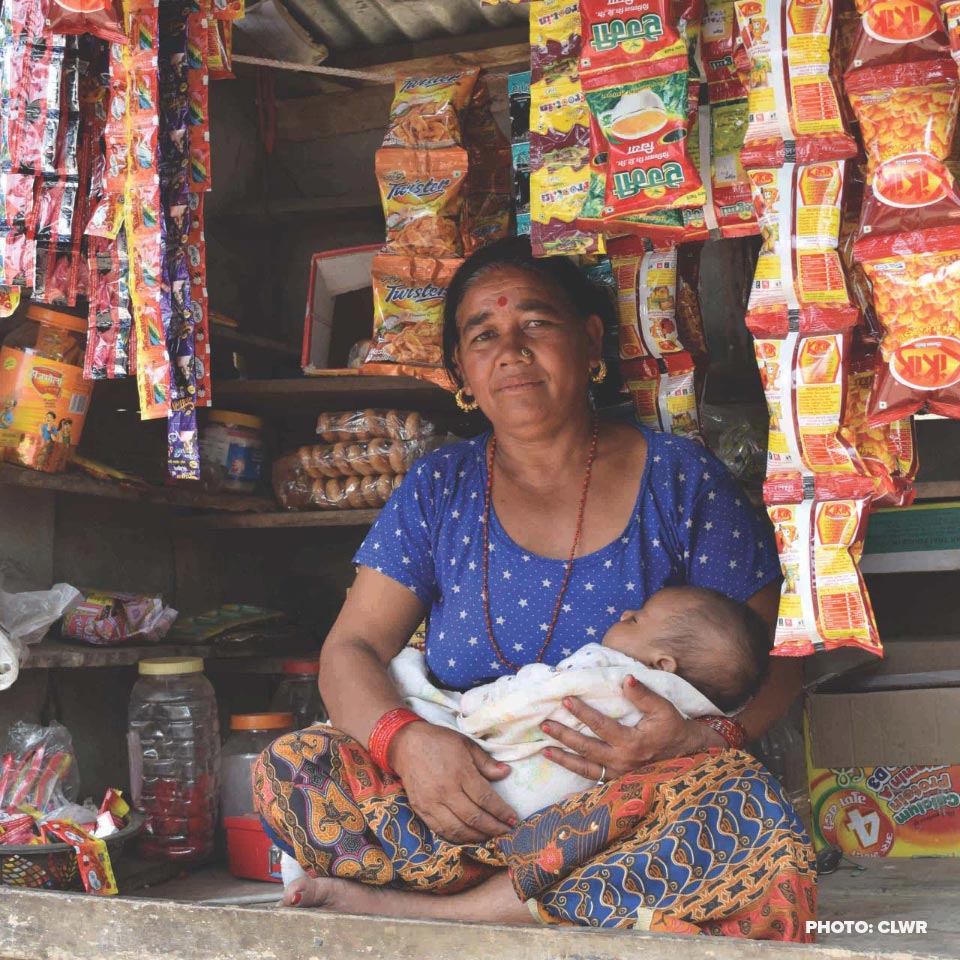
(703, 844)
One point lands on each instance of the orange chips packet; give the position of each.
(819, 527)
(804, 381)
(664, 393)
(881, 448)
(428, 112)
(408, 296)
(916, 292)
(799, 276)
(794, 111)
(421, 195)
(642, 113)
(908, 116)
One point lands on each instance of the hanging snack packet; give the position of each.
(879, 451)
(689, 314)
(908, 116)
(916, 291)
(420, 191)
(556, 200)
(616, 34)
(849, 227)
(102, 18)
(643, 117)
(408, 296)
(428, 112)
(719, 32)
(799, 277)
(559, 124)
(898, 31)
(555, 40)
(804, 381)
(819, 527)
(664, 394)
(794, 111)
(950, 14)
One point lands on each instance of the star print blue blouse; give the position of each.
(691, 524)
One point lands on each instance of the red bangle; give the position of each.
(731, 730)
(384, 730)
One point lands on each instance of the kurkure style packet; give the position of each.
(916, 292)
(819, 526)
(804, 379)
(908, 116)
(618, 34)
(102, 18)
(427, 112)
(408, 297)
(642, 115)
(794, 111)
(421, 195)
(799, 276)
(664, 394)
(881, 448)
(898, 31)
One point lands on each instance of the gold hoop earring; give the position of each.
(467, 406)
(600, 374)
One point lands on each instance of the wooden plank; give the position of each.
(57, 926)
(286, 520)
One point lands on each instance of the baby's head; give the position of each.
(720, 647)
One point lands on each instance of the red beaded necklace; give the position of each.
(488, 500)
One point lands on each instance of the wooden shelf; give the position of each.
(320, 393)
(229, 337)
(285, 520)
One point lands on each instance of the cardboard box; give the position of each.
(339, 308)
(884, 765)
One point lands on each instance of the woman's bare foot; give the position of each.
(493, 901)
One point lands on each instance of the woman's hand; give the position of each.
(661, 734)
(447, 779)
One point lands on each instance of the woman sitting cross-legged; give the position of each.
(522, 546)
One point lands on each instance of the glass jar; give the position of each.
(231, 452)
(43, 396)
(174, 747)
(298, 693)
(250, 735)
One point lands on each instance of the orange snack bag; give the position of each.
(916, 292)
(804, 381)
(420, 191)
(664, 394)
(408, 296)
(794, 111)
(428, 112)
(799, 273)
(907, 115)
(950, 14)
(819, 529)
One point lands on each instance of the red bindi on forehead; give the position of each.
(502, 302)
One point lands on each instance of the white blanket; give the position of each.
(504, 716)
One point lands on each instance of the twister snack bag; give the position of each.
(794, 111)
(819, 528)
(420, 191)
(618, 34)
(916, 292)
(908, 116)
(664, 394)
(428, 112)
(642, 114)
(799, 276)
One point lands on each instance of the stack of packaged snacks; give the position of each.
(518, 86)
(657, 367)
(364, 458)
(444, 175)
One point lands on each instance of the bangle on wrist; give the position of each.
(731, 730)
(384, 730)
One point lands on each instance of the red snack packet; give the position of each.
(616, 34)
(664, 394)
(96, 871)
(102, 18)
(898, 31)
(819, 527)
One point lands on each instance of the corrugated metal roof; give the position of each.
(359, 24)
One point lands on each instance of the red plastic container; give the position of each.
(250, 851)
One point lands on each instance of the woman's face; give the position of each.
(522, 352)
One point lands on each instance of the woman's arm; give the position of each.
(446, 776)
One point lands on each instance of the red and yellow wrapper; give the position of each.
(664, 393)
(616, 34)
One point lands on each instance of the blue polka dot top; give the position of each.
(691, 525)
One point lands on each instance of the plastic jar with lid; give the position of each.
(250, 735)
(174, 747)
(43, 396)
(231, 452)
(298, 693)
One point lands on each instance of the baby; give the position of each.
(700, 650)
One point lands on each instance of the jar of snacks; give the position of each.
(174, 746)
(43, 396)
(250, 735)
(231, 452)
(299, 694)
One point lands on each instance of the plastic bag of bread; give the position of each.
(361, 425)
(360, 458)
(297, 489)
